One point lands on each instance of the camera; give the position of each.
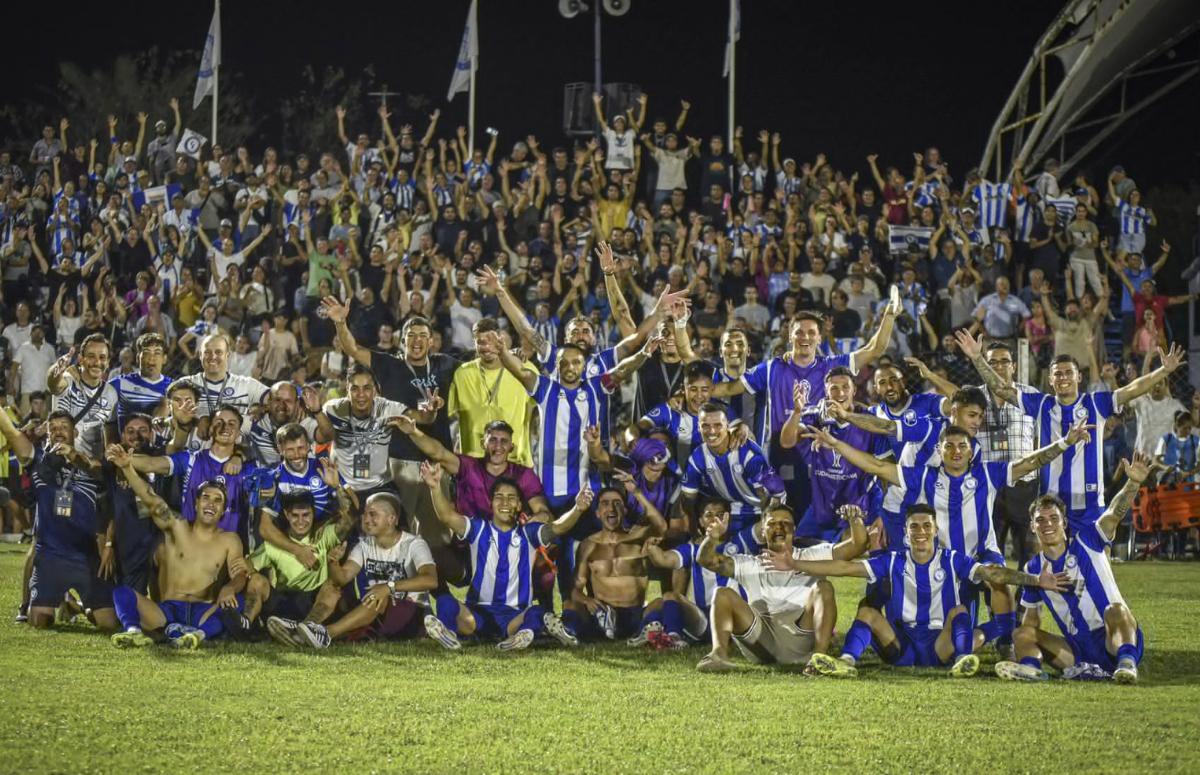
(491, 131)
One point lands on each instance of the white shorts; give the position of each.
(771, 639)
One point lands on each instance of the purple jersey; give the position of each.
(835, 481)
(775, 379)
(196, 468)
(475, 485)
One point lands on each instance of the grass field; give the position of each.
(72, 703)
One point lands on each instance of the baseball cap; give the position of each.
(226, 223)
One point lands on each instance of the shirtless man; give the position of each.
(201, 568)
(612, 565)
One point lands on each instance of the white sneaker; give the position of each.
(643, 637)
(674, 642)
(1126, 673)
(285, 631)
(555, 629)
(439, 632)
(1015, 671)
(1086, 671)
(715, 663)
(518, 641)
(315, 635)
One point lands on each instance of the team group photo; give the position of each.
(718, 386)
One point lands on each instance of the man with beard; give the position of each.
(897, 404)
(143, 390)
(217, 386)
(786, 618)
(609, 592)
(81, 391)
(201, 568)
(283, 406)
(499, 601)
(735, 350)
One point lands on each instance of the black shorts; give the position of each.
(290, 603)
(53, 576)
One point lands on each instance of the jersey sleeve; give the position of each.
(259, 558)
(537, 533)
(1031, 597)
(474, 527)
(877, 566)
(1105, 403)
(755, 379)
(392, 409)
(822, 551)
(964, 567)
(1031, 402)
(999, 473)
(682, 555)
(910, 428)
(358, 555)
(1092, 537)
(909, 477)
(179, 462)
(255, 390)
(693, 476)
(744, 568)
(541, 389)
(659, 416)
(601, 384)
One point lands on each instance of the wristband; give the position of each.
(1063, 445)
(108, 544)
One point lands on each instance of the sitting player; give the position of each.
(786, 618)
(1099, 631)
(612, 567)
(685, 610)
(926, 582)
(293, 586)
(393, 571)
(499, 600)
(193, 560)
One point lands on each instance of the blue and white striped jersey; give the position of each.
(1026, 218)
(598, 364)
(703, 583)
(502, 562)
(922, 594)
(991, 199)
(281, 480)
(561, 457)
(136, 394)
(963, 503)
(734, 477)
(1077, 476)
(683, 426)
(1081, 608)
(919, 406)
(1134, 220)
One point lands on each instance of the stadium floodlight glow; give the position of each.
(571, 8)
(616, 7)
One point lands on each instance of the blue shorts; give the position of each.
(190, 613)
(1091, 646)
(628, 622)
(491, 621)
(916, 647)
(53, 576)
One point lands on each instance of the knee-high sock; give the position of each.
(125, 603)
(572, 621)
(1033, 662)
(671, 615)
(999, 628)
(532, 620)
(1128, 651)
(858, 637)
(213, 627)
(447, 612)
(963, 634)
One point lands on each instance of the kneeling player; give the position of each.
(926, 579)
(499, 600)
(1100, 635)
(787, 618)
(685, 610)
(394, 572)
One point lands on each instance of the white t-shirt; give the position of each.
(462, 321)
(356, 436)
(399, 562)
(35, 363)
(242, 364)
(241, 391)
(1155, 419)
(223, 262)
(620, 149)
(774, 591)
(16, 335)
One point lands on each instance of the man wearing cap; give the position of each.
(619, 139)
(160, 152)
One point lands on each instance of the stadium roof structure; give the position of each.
(1099, 63)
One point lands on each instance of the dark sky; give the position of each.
(846, 78)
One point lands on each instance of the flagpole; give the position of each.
(732, 69)
(216, 79)
(471, 95)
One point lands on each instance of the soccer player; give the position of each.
(1078, 479)
(143, 390)
(216, 386)
(1099, 634)
(500, 598)
(835, 482)
(685, 609)
(393, 572)
(67, 530)
(81, 391)
(735, 349)
(962, 491)
(786, 618)
(135, 536)
(924, 622)
(898, 405)
(201, 568)
(683, 424)
(719, 470)
(609, 592)
(283, 406)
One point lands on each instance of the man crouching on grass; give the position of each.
(787, 618)
(201, 568)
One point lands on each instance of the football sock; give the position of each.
(1033, 662)
(1128, 651)
(447, 612)
(858, 637)
(962, 634)
(532, 620)
(672, 617)
(125, 602)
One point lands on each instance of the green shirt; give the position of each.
(321, 266)
(289, 572)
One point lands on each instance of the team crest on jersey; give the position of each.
(227, 392)
(837, 459)
(103, 403)
(805, 390)
(910, 418)
(939, 575)
(314, 482)
(1081, 412)
(581, 398)
(220, 478)
(969, 483)
(737, 468)
(730, 550)
(1072, 561)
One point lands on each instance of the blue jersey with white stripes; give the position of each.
(918, 439)
(1080, 608)
(963, 503)
(136, 394)
(280, 480)
(502, 562)
(562, 455)
(683, 426)
(733, 476)
(703, 583)
(1076, 476)
(597, 364)
(1134, 220)
(991, 199)
(919, 406)
(922, 593)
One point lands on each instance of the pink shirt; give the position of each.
(475, 485)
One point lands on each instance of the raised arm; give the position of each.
(1040, 457)
(17, 441)
(337, 311)
(1136, 471)
(431, 474)
(885, 470)
(856, 543)
(634, 362)
(878, 345)
(1171, 360)
(489, 283)
(163, 516)
(429, 446)
(972, 347)
(708, 557)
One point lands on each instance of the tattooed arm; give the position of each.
(1136, 470)
(972, 347)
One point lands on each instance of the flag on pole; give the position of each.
(903, 238)
(191, 143)
(210, 60)
(468, 57)
(737, 35)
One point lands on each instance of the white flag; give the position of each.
(468, 56)
(737, 35)
(210, 60)
(191, 143)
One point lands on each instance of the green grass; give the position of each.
(72, 703)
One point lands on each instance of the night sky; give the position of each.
(844, 78)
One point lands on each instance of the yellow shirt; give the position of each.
(479, 395)
(188, 305)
